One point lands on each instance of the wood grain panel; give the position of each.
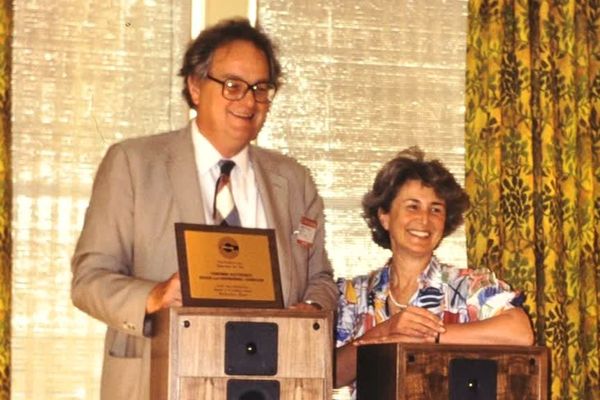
(188, 352)
(420, 372)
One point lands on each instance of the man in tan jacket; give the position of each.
(125, 262)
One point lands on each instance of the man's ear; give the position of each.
(384, 218)
(193, 84)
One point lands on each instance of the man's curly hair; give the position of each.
(199, 54)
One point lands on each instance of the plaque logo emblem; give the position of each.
(228, 247)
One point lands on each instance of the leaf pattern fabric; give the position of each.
(532, 160)
(6, 21)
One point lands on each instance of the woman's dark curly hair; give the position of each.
(410, 164)
(199, 54)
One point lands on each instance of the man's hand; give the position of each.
(164, 295)
(306, 307)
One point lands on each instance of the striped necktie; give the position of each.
(224, 210)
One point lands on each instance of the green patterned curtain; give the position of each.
(533, 170)
(5, 196)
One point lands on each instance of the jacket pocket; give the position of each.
(122, 345)
(121, 378)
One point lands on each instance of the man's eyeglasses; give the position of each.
(235, 89)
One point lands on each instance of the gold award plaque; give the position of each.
(228, 266)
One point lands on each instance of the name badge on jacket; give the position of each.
(306, 232)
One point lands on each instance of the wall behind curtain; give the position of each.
(364, 80)
(86, 74)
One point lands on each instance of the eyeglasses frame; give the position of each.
(252, 87)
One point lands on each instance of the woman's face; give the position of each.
(415, 221)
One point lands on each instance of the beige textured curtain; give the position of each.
(86, 73)
(364, 80)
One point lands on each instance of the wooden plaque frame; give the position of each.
(236, 281)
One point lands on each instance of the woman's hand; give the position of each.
(413, 324)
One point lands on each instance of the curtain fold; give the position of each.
(532, 163)
(5, 197)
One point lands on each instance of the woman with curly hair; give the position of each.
(413, 204)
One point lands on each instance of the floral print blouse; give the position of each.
(457, 295)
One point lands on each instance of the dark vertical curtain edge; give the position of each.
(6, 23)
(534, 37)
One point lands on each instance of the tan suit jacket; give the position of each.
(142, 187)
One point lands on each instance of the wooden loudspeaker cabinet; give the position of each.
(393, 371)
(238, 353)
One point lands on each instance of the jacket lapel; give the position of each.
(181, 168)
(273, 190)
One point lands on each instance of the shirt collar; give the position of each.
(430, 277)
(207, 156)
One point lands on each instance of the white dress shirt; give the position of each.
(243, 182)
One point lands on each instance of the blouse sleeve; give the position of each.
(488, 296)
(346, 312)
